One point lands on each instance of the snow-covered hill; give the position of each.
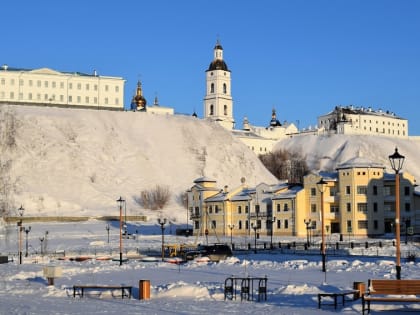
(78, 162)
(325, 152)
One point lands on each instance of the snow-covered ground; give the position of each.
(191, 288)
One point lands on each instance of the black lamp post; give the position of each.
(120, 202)
(321, 187)
(19, 224)
(397, 161)
(162, 223)
(271, 222)
(27, 230)
(307, 223)
(41, 240)
(231, 226)
(107, 230)
(255, 228)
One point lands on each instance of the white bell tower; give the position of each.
(218, 103)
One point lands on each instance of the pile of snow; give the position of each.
(78, 162)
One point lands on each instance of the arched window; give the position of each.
(211, 109)
(224, 88)
(240, 225)
(212, 88)
(225, 110)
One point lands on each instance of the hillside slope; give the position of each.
(78, 162)
(326, 152)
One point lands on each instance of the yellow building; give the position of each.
(358, 199)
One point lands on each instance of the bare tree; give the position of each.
(155, 198)
(285, 165)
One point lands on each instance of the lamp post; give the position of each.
(255, 227)
(397, 161)
(27, 230)
(41, 240)
(162, 223)
(19, 224)
(321, 187)
(120, 202)
(271, 222)
(307, 223)
(107, 230)
(231, 226)
(407, 222)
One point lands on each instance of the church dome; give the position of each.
(218, 64)
(139, 100)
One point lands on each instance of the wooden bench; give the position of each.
(380, 290)
(335, 296)
(80, 289)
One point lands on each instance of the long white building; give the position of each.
(366, 121)
(49, 87)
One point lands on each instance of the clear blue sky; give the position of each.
(301, 57)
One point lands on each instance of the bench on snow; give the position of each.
(80, 289)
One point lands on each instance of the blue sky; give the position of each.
(300, 57)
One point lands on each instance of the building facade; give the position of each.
(366, 121)
(47, 87)
(358, 199)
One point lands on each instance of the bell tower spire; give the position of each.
(218, 103)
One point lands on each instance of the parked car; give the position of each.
(215, 252)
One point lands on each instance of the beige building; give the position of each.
(47, 87)
(366, 121)
(358, 199)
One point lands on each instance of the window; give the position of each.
(117, 88)
(53, 84)
(210, 209)
(95, 100)
(407, 207)
(70, 86)
(247, 224)
(87, 99)
(407, 191)
(362, 207)
(38, 83)
(362, 224)
(87, 86)
(79, 99)
(211, 110)
(106, 88)
(348, 191)
(313, 191)
(349, 226)
(46, 84)
(3, 81)
(12, 81)
(334, 209)
(286, 224)
(286, 207)
(225, 110)
(313, 208)
(30, 96)
(375, 224)
(30, 82)
(246, 209)
(348, 206)
(239, 209)
(212, 88)
(278, 224)
(387, 191)
(106, 100)
(70, 98)
(257, 208)
(117, 101)
(361, 190)
(278, 207)
(216, 209)
(20, 82)
(12, 95)
(61, 85)
(375, 190)
(213, 224)
(95, 87)
(79, 86)
(224, 88)
(375, 207)
(240, 225)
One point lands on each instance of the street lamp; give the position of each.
(321, 187)
(307, 223)
(120, 202)
(255, 227)
(107, 230)
(271, 222)
(27, 230)
(162, 223)
(19, 224)
(41, 240)
(231, 226)
(397, 161)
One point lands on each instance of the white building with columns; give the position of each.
(47, 87)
